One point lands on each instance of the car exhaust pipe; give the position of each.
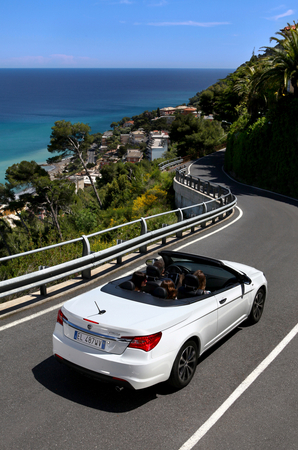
(119, 388)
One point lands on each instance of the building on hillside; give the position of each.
(181, 108)
(106, 137)
(110, 157)
(82, 176)
(136, 137)
(134, 156)
(128, 124)
(189, 110)
(158, 144)
(124, 139)
(78, 180)
(168, 111)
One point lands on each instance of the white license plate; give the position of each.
(90, 340)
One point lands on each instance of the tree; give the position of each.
(39, 191)
(281, 67)
(114, 125)
(206, 102)
(195, 137)
(12, 202)
(72, 139)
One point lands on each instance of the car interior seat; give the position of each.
(128, 285)
(160, 292)
(190, 287)
(152, 273)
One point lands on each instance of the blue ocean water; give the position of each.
(31, 100)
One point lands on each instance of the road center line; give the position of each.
(200, 433)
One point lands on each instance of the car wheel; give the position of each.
(185, 365)
(257, 307)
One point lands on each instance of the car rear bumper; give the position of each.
(134, 368)
(95, 375)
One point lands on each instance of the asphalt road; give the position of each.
(45, 406)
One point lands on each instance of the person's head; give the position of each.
(160, 265)
(202, 279)
(139, 280)
(169, 286)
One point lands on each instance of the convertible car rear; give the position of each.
(136, 339)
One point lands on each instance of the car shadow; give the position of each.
(78, 388)
(221, 342)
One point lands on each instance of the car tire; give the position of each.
(185, 365)
(257, 307)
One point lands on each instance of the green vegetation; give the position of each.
(259, 104)
(195, 137)
(262, 142)
(53, 211)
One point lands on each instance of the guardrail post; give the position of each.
(164, 239)
(43, 287)
(208, 187)
(203, 225)
(179, 234)
(86, 274)
(144, 230)
(193, 227)
(119, 258)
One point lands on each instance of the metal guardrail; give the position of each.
(219, 206)
(170, 163)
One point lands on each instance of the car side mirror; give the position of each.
(245, 279)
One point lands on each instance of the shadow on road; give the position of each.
(78, 388)
(86, 391)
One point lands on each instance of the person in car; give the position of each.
(169, 286)
(202, 281)
(139, 279)
(159, 263)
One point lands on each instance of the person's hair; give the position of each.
(202, 279)
(170, 288)
(160, 265)
(138, 278)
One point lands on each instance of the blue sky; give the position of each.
(137, 33)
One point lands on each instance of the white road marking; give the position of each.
(32, 316)
(200, 433)
(40, 313)
(213, 232)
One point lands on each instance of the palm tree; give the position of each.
(251, 97)
(281, 66)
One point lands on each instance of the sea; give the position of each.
(32, 100)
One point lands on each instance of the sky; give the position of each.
(138, 33)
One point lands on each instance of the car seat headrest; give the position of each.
(190, 282)
(152, 272)
(160, 292)
(128, 285)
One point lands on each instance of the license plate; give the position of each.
(90, 340)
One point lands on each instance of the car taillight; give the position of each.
(60, 317)
(145, 343)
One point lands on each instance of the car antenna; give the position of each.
(100, 311)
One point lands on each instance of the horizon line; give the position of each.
(117, 68)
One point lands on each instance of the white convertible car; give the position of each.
(137, 339)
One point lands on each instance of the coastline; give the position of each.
(106, 96)
(55, 168)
